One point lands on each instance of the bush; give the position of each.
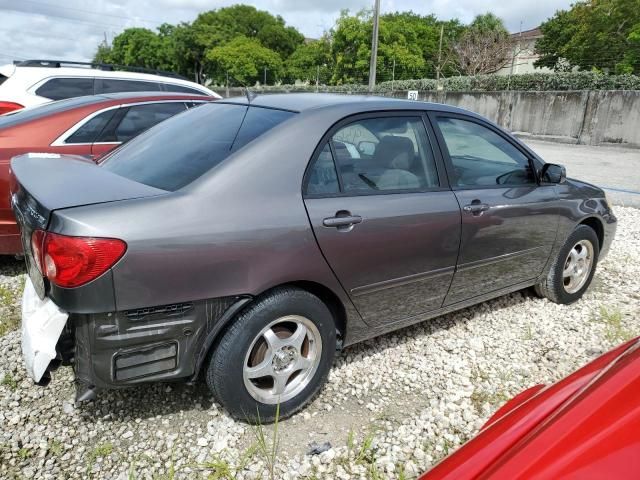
(526, 81)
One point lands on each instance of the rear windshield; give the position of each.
(33, 113)
(2, 78)
(177, 151)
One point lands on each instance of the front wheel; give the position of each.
(572, 271)
(277, 353)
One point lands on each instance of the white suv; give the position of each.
(33, 82)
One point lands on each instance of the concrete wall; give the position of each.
(596, 117)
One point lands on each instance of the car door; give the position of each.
(131, 121)
(383, 215)
(509, 220)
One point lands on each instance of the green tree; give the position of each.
(600, 35)
(244, 60)
(310, 61)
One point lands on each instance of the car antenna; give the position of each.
(249, 94)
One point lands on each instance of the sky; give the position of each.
(72, 29)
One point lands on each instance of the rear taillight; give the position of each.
(6, 107)
(73, 261)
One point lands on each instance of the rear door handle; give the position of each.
(476, 208)
(342, 221)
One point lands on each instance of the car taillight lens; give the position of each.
(6, 107)
(73, 261)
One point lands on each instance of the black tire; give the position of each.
(224, 373)
(553, 286)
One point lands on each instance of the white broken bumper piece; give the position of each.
(42, 324)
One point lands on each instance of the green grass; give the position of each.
(9, 381)
(614, 330)
(268, 447)
(10, 301)
(24, 453)
(480, 397)
(99, 451)
(55, 448)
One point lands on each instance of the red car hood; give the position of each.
(585, 426)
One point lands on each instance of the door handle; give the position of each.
(342, 220)
(476, 208)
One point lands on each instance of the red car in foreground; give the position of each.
(587, 426)
(87, 126)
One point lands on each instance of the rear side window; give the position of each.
(180, 150)
(110, 85)
(2, 78)
(139, 118)
(170, 87)
(88, 133)
(61, 88)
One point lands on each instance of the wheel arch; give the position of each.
(325, 294)
(596, 224)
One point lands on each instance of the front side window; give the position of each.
(481, 157)
(176, 152)
(384, 154)
(89, 132)
(61, 88)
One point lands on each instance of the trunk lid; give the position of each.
(42, 183)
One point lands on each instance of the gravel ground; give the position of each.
(393, 406)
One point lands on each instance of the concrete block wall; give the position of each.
(595, 117)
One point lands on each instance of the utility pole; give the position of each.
(439, 57)
(374, 46)
(227, 84)
(393, 73)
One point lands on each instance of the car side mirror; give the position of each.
(553, 173)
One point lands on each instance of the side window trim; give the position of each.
(327, 138)
(444, 151)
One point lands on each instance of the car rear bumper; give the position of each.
(163, 343)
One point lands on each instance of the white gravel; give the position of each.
(393, 406)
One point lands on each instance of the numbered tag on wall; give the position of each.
(412, 94)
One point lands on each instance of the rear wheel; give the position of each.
(573, 269)
(278, 352)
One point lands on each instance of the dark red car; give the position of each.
(587, 426)
(87, 126)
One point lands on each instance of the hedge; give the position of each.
(525, 81)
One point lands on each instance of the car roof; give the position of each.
(299, 102)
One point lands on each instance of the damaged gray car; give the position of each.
(247, 240)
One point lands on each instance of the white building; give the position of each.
(524, 54)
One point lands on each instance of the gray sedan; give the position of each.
(249, 239)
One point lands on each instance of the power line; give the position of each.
(102, 14)
(69, 19)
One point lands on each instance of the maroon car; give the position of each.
(87, 126)
(585, 426)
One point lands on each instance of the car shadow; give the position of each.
(163, 399)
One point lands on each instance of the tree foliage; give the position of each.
(599, 35)
(245, 60)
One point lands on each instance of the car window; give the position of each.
(481, 157)
(170, 87)
(180, 150)
(256, 122)
(111, 85)
(385, 154)
(61, 88)
(139, 118)
(322, 176)
(89, 132)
